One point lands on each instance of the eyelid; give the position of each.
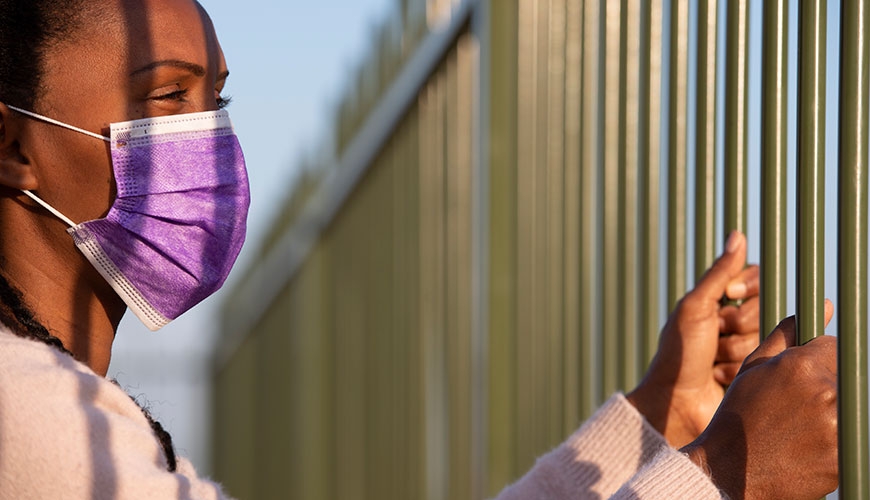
(166, 91)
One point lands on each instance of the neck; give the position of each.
(59, 287)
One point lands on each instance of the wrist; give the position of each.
(658, 406)
(646, 402)
(720, 474)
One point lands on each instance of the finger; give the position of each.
(782, 337)
(726, 268)
(824, 349)
(740, 320)
(725, 373)
(736, 348)
(745, 285)
(829, 311)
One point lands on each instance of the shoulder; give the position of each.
(55, 416)
(37, 381)
(66, 432)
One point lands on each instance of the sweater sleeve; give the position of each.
(66, 432)
(670, 474)
(596, 460)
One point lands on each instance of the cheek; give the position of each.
(76, 175)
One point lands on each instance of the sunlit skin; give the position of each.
(143, 58)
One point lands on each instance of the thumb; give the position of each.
(782, 337)
(727, 267)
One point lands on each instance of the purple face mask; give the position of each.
(178, 222)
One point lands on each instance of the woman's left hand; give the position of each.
(701, 348)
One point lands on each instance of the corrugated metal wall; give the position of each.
(510, 215)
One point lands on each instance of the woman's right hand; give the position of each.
(775, 433)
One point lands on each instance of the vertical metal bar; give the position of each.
(480, 234)
(457, 266)
(811, 170)
(852, 248)
(591, 151)
(539, 134)
(677, 151)
(612, 290)
(629, 82)
(528, 321)
(735, 117)
(554, 149)
(574, 387)
(649, 169)
(417, 134)
(621, 332)
(705, 152)
(500, 53)
(774, 159)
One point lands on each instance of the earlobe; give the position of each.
(15, 171)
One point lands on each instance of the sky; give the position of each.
(288, 62)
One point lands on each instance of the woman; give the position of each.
(100, 210)
(122, 185)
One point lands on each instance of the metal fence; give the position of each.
(492, 254)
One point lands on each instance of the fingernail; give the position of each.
(736, 290)
(732, 243)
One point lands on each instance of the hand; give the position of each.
(775, 435)
(701, 348)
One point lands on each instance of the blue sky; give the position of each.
(288, 62)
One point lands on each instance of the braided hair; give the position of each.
(29, 29)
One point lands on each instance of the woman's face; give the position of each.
(144, 58)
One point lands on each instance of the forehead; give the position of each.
(166, 29)
(126, 35)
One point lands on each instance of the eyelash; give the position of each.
(180, 96)
(223, 102)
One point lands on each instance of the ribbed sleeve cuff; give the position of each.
(610, 447)
(670, 474)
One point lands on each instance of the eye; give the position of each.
(177, 95)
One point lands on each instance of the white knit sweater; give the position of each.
(616, 454)
(68, 433)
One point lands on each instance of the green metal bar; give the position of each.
(555, 36)
(649, 168)
(501, 90)
(735, 117)
(530, 340)
(629, 82)
(624, 336)
(774, 157)
(811, 170)
(575, 389)
(852, 248)
(590, 279)
(612, 289)
(677, 152)
(705, 152)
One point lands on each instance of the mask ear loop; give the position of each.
(50, 208)
(52, 121)
(60, 124)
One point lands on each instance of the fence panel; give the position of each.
(489, 258)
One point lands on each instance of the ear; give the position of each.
(15, 170)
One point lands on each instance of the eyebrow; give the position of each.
(196, 69)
